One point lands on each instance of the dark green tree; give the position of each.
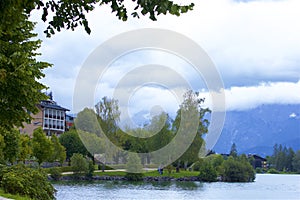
(11, 148)
(237, 170)
(296, 162)
(42, 147)
(19, 69)
(73, 144)
(208, 172)
(2, 145)
(233, 150)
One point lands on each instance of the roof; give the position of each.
(52, 104)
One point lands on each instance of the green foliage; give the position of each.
(2, 145)
(134, 163)
(237, 170)
(79, 164)
(273, 171)
(19, 69)
(11, 140)
(25, 148)
(207, 172)
(134, 176)
(282, 158)
(42, 146)
(233, 150)
(71, 14)
(296, 162)
(191, 109)
(71, 141)
(91, 169)
(28, 182)
(59, 151)
(55, 173)
(86, 120)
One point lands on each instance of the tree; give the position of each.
(296, 161)
(59, 152)
(79, 164)
(42, 147)
(70, 14)
(237, 170)
(191, 106)
(71, 141)
(86, 120)
(109, 115)
(11, 148)
(207, 172)
(2, 145)
(19, 69)
(25, 148)
(233, 150)
(134, 163)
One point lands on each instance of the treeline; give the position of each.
(18, 148)
(97, 128)
(284, 159)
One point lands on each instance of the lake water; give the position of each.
(266, 186)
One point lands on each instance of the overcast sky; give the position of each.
(255, 45)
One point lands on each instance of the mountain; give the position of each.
(256, 130)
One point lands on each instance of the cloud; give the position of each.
(250, 43)
(248, 97)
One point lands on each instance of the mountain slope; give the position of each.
(257, 130)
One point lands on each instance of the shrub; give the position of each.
(237, 171)
(91, 169)
(27, 182)
(273, 171)
(134, 176)
(55, 173)
(79, 164)
(207, 172)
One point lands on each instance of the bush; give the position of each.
(79, 164)
(237, 171)
(27, 182)
(91, 169)
(207, 172)
(273, 171)
(55, 173)
(134, 176)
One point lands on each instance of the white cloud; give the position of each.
(250, 43)
(248, 97)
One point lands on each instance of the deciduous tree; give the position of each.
(42, 147)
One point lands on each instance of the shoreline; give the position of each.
(123, 178)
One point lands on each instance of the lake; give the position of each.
(266, 186)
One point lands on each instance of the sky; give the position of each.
(254, 45)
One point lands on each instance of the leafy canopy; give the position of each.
(70, 14)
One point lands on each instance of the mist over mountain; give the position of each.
(254, 131)
(257, 130)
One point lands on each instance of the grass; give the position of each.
(12, 196)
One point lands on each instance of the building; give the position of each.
(258, 162)
(51, 118)
(70, 121)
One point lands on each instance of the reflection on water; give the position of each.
(265, 187)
